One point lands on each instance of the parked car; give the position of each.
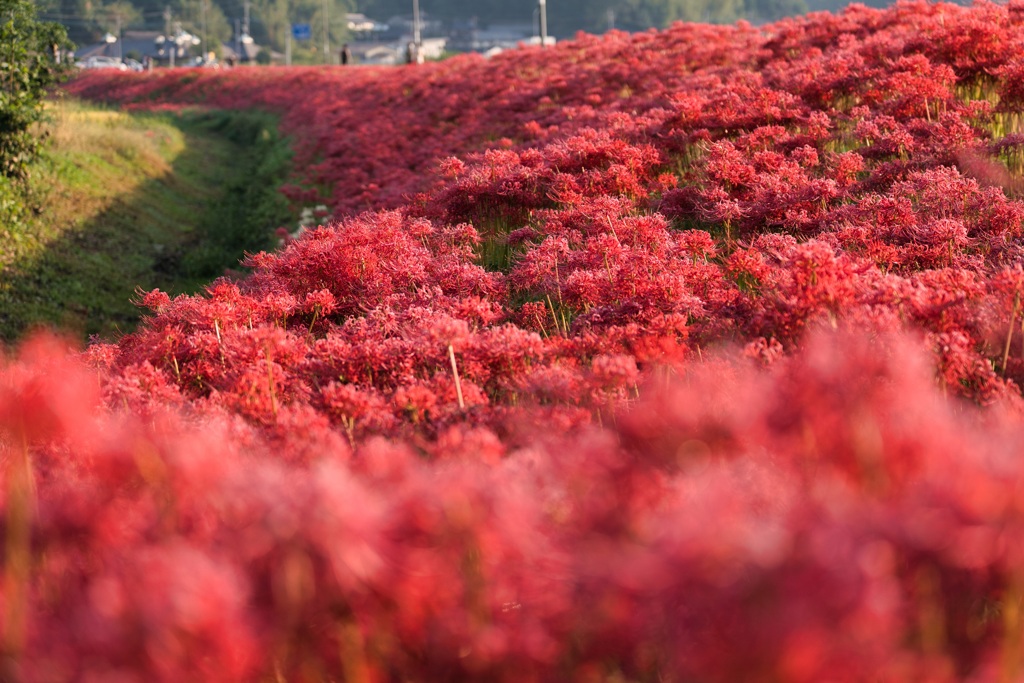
(102, 62)
(133, 64)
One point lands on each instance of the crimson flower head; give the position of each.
(321, 302)
(155, 300)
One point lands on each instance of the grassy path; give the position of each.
(138, 201)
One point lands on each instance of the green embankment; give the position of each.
(133, 200)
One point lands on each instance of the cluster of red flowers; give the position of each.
(487, 426)
(646, 195)
(830, 518)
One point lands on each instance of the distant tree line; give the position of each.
(216, 20)
(269, 23)
(566, 17)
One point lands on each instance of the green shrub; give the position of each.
(29, 66)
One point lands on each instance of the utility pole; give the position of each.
(245, 24)
(327, 39)
(120, 48)
(543, 5)
(206, 46)
(417, 37)
(169, 42)
(287, 33)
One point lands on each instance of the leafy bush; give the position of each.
(28, 68)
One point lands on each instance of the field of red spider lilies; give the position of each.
(690, 356)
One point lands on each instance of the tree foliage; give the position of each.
(568, 16)
(28, 67)
(270, 19)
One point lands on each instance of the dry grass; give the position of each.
(78, 130)
(124, 197)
